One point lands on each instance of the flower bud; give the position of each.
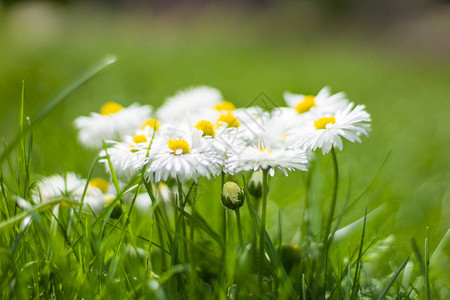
(232, 195)
(290, 256)
(255, 184)
(117, 210)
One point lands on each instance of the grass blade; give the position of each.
(440, 247)
(53, 103)
(372, 183)
(427, 266)
(35, 209)
(392, 280)
(358, 261)
(418, 254)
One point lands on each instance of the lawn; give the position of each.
(244, 54)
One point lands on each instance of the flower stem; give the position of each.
(333, 198)
(238, 221)
(182, 203)
(262, 230)
(224, 211)
(305, 226)
(326, 238)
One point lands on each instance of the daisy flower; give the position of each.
(70, 185)
(329, 130)
(261, 158)
(149, 127)
(240, 127)
(181, 158)
(225, 114)
(98, 195)
(272, 128)
(113, 121)
(124, 155)
(204, 131)
(323, 102)
(239, 117)
(208, 133)
(189, 105)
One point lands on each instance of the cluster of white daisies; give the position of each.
(197, 133)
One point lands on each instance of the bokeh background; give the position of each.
(392, 56)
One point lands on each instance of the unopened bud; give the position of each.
(117, 209)
(290, 256)
(255, 184)
(232, 195)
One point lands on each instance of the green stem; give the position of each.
(326, 238)
(255, 231)
(173, 283)
(238, 220)
(262, 230)
(333, 198)
(257, 204)
(182, 220)
(305, 228)
(192, 225)
(224, 211)
(161, 241)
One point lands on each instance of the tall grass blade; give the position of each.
(418, 254)
(372, 183)
(440, 247)
(355, 286)
(427, 267)
(54, 102)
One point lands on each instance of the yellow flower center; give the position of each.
(323, 122)
(265, 149)
(153, 123)
(307, 103)
(207, 128)
(139, 139)
(99, 183)
(230, 119)
(110, 108)
(225, 105)
(179, 146)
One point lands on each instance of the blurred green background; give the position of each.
(392, 56)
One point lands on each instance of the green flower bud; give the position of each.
(290, 256)
(232, 195)
(255, 184)
(117, 210)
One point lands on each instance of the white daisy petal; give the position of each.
(328, 130)
(112, 124)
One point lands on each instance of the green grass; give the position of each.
(406, 93)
